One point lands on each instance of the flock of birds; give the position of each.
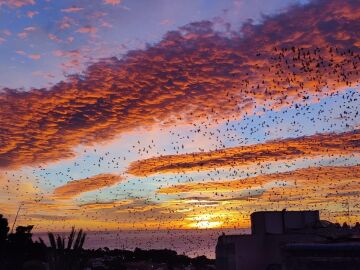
(336, 112)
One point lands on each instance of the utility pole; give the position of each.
(17, 213)
(348, 204)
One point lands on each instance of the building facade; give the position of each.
(271, 232)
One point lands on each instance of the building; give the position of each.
(322, 256)
(271, 232)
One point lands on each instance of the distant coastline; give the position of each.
(189, 242)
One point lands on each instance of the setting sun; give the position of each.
(205, 224)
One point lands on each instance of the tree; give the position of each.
(4, 229)
(22, 238)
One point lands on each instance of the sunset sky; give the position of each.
(124, 114)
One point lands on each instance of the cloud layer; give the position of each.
(76, 187)
(338, 178)
(303, 147)
(329, 189)
(195, 205)
(191, 73)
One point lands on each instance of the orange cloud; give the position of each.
(316, 185)
(324, 188)
(338, 179)
(191, 73)
(105, 205)
(328, 189)
(286, 149)
(75, 188)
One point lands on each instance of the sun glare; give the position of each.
(205, 221)
(205, 224)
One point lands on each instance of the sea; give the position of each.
(192, 243)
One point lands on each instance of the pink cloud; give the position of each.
(34, 56)
(7, 32)
(20, 52)
(54, 38)
(66, 23)
(30, 28)
(106, 24)
(31, 13)
(72, 54)
(87, 30)
(166, 22)
(45, 75)
(17, 3)
(25, 33)
(71, 9)
(112, 2)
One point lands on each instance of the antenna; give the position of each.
(17, 213)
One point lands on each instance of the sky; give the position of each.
(119, 114)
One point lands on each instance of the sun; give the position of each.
(205, 221)
(205, 224)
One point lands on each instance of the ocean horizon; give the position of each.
(191, 243)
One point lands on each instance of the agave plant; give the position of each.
(58, 243)
(64, 255)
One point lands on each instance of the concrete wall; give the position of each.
(255, 252)
(278, 222)
(299, 220)
(274, 223)
(322, 264)
(270, 232)
(330, 256)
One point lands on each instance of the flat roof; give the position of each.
(285, 211)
